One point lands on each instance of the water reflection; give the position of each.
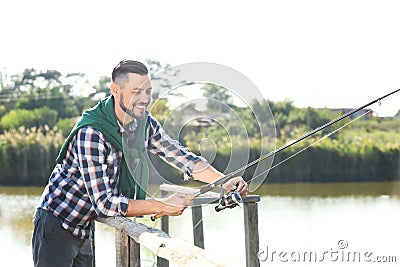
(286, 223)
(16, 213)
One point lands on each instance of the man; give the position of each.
(102, 171)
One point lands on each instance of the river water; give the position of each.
(299, 225)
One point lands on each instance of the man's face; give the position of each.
(135, 96)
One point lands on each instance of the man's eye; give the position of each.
(148, 91)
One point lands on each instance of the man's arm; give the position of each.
(204, 172)
(172, 206)
(91, 156)
(172, 152)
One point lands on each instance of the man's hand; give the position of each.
(175, 204)
(204, 172)
(237, 184)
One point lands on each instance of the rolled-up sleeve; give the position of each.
(170, 150)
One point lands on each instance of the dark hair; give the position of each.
(124, 67)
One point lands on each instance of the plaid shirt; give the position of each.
(85, 185)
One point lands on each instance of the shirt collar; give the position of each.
(131, 127)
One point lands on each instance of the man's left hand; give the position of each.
(237, 184)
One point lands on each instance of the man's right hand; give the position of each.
(175, 204)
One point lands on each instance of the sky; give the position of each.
(337, 54)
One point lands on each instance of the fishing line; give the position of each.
(303, 149)
(233, 198)
(315, 142)
(225, 178)
(300, 151)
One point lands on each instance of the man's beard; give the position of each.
(127, 111)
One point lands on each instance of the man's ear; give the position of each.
(114, 89)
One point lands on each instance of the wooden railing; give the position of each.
(130, 234)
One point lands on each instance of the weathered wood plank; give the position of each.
(160, 243)
(185, 190)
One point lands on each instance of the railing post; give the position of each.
(127, 250)
(250, 212)
(134, 249)
(197, 219)
(94, 243)
(165, 228)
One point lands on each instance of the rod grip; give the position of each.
(159, 215)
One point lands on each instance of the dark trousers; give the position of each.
(53, 246)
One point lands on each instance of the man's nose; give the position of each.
(145, 97)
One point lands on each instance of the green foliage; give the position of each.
(162, 73)
(45, 116)
(65, 125)
(219, 97)
(29, 118)
(281, 111)
(377, 125)
(16, 118)
(3, 110)
(101, 89)
(28, 155)
(49, 97)
(30, 79)
(160, 110)
(34, 89)
(81, 104)
(38, 111)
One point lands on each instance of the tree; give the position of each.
(53, 98)
(280, 111)
(34, 89)
(3, 110)
(160, 109)
(51, 78)
(24, 81)
(163, 73)
(102, 88)
(30, 79)
(219, 98)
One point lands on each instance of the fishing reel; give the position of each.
(228, 200)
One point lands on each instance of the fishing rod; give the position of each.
(231, 199)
